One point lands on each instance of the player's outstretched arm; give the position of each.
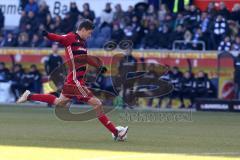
(62, 39)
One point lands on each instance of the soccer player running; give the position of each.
(75, 46)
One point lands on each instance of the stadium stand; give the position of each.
(146, 26)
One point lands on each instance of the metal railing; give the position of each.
(180, 42)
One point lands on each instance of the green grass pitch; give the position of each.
(28, 132)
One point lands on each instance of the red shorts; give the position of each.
(79, 91)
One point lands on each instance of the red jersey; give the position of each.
(76, 57)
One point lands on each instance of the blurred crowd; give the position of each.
(21, 79)
(186, 84)
(146, 26)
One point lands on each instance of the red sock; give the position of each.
(48, 98)
(107, 123)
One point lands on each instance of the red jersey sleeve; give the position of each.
(62, 39)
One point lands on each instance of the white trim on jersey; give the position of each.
(74, 73)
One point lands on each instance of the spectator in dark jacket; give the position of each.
(54, 60)
(32, 23)
(74, 12)
(177, 34)
(18, 83)
(187, 84)
(23, 22)
(151, 38)
(34, 79)
(43, 12)
(175, 79)
(5, 75)
(117, 33)
(235, 15)
(164, 37)
(1, 19)
(23, 40)
(223, 10)
(87, 12)
(236, 44)
(192, 18)
(9, 41)
(67, 24)
(201, 85)
(36, 41)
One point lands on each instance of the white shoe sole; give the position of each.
(23, 97)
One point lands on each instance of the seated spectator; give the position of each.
(164, 37)
(117, 33)
(18, 83)
(87, 12)
(236, 44)
(23, 40)
(212, 90)
(9, 41)
(151, 38)
(34, 79)
(187, 84)
(36, 41)
(197, 37)
(187, 45)
(175, 79)
(225, 45)
(5, 75)
(57, 24)
(201, 85)
(177, 34)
